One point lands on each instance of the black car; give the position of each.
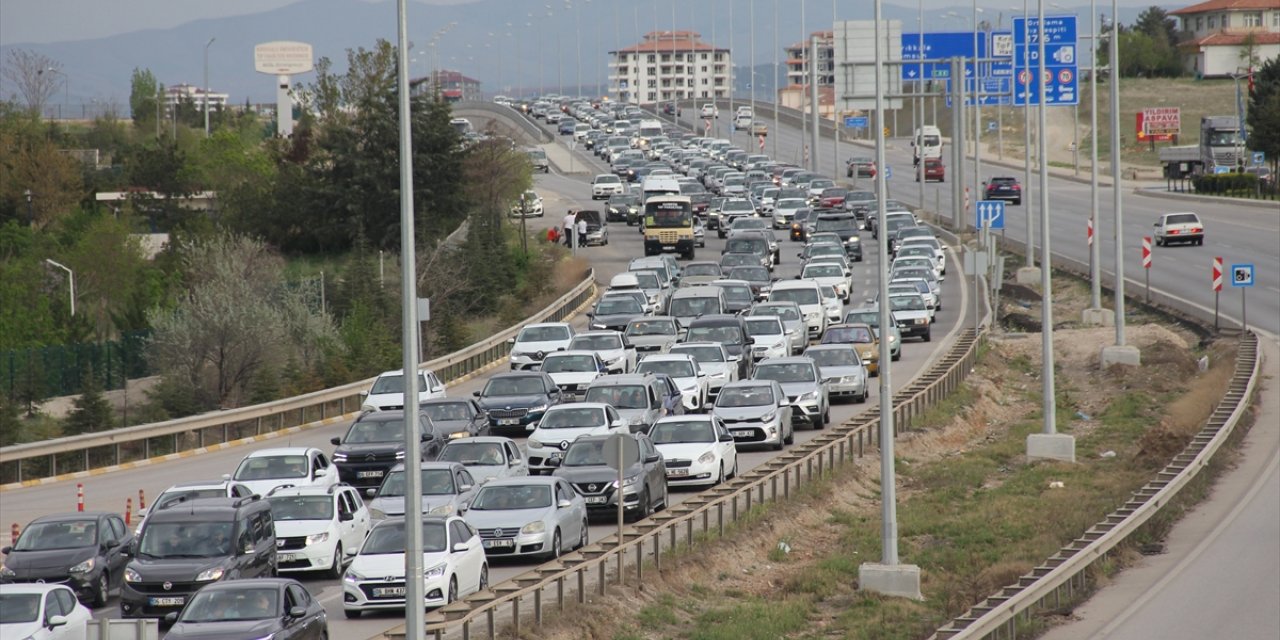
(375, 442)
(728, 330)
(1003, 188)
(846, 226)
(455, 418)
(515, 400)
(187, 545)
(644, 486)
(249, 610)
(84, 550)
(623, 207)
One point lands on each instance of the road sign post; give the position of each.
(1242, 278)
(1059, 84)
(1146, 263)
(991, 215)
(1217, 288)
(617, 450)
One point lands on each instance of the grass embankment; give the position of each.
(973, 512)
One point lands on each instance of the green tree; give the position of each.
(32, 165)
(91, 412)
(1263, 116)
(144, 95)
(10, 422)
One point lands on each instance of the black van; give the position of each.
(188, 544)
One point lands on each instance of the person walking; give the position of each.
(568, 224)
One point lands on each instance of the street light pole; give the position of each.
(206, 86)
(71, 279)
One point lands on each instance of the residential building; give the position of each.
(1217, 34)
(185, 92)
(796, 93)
(670, 65)
(454, 87)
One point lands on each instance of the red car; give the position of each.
(832, 198)
(933, 170)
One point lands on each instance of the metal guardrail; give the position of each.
(32, 461)
(1066, 570)
(706, 514)
(116, 629)
(506, 113)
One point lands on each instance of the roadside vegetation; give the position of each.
(290, 283)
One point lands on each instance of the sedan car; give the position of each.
(624, 208)
(452, 557)
(82, 550)
(606, 185)
(804, 385)
(785, 209)
(793, 321)
(249, 610)
(612, 347)
(829, 274)
(266, 469)
(447, 488)
(756, 412)
(487, 458)
(912, 316)
(535, 341)
(698, 450)
(644, 477)
(861, 167)
(684, 372)
(841, 369)
(769, 338)
(614, 312)
(565, 423)
(573, 371)
(541, 517)
(41, 611)
(515, 400)
(652, 335)
(1179, 227)
(870, 316)
(862, 338)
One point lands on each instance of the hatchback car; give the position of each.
(565, 423)
(1003, 188)
(644, 477)
(612, 347)
(83, 550)
(713, 358)
(541, 517)
(487, 458)
(756, 412)
(698, 450)
(841, 369)
(1179, 227)
(685, 373)
(249, 610)
(41, 611)
(318, 529)
(573, 371)
(804, 385)
(452, 558)
(535, 341)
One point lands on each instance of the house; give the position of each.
(1217, 34)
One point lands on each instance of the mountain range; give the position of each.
(506, 44)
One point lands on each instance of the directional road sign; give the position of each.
(855, 122)
(1217, 273)
(991, 214)
(1062, 71)
(1242, 275)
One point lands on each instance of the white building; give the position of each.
(182, 92)
(670, 65)
(1216, 33)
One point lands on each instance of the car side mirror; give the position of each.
(464, 487)
(724, 437)
(591, 314)
(553, 462)
(364, 394)
(564, 504)
(653, 458)
(131, 549)
(248, 549)
(335, 441)
(297, 612)
(346, 516)
(475, 394)
(427, 435)
(1156, 224)
(782, 402)
(461, 547)
(6, 550)
(371, 492)
(169, 618)
(617, 424)
(797, 277)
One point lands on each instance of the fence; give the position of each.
(31, 462)
(58, 370)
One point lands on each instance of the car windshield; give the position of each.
(508, 497)
(218, 605)
(67, 534)
(702, 354)
(272, 467)
(913, 251)
(761, 326)
(607, 179)
(376, 431)
(394, 383)
(682, 432)
(737, 205)
(1182, 218)
(625, 200)
(913, 272)
(630, 396)
(189, 494)
(515, 386)
(854, 335)
(833, 357)
(473, 453)
(447, 411)
(570, 364)
(596, 343)
(573, 418)
(749, 223)
(823, 271)
(785, 372)
(435, 482)
(787, 314)
(388, 538)
(186, 539)
(908, 303)
(673, 368)
(750, 274)
(647, 280)
(301, 507)
(798, 296)
(836, 224)
(821, 184)
(694, 306)
(731, 260)
(651, 328)
(871, 318)
(738, 293)
(753, 396)
(590, 453)
(791, 203)
(746, 245)
(543, 334)
(702, 269)
(618, 306)
(729, 334)
(19, 607)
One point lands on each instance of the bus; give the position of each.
(668, 225)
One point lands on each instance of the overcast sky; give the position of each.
(61, 20)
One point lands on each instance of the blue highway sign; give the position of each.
(1062, 70)
(855, 122)
(991, 214)
(1242, 275)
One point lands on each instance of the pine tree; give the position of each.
(92, 412)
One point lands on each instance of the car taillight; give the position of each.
(1017, 187)
(1196, 229)
(1174, 232)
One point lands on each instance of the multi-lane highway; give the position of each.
(560, 192)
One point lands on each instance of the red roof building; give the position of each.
(1217, 34)
(453, 86)
(670, 65)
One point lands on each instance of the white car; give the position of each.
(612, 347)
(564, 423)
(452, 559)
(714, 359)
(830, 274)
(486, 457)
(573, 371)
(833, 304)
(387, 392)
(697, 450)
(535, 341)
(42, 611)
(318, 529)
(267, 469)
(769, 337)
(605, 185)
(683, 369)
(709, 111)
(808, 295)
(939, 255)
(191, 491)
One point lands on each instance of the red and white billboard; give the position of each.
(1159, 123)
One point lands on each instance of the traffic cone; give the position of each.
(79, 496)
(128, 512)
(13, 534)
(142, 501)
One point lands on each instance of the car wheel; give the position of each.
(582, 540)
(735, 467)
(826, 415)
(101, 591)
(928, 336)
(1199, 242)
(351, 614)
(720, 478)
(453, 590)
(862, 398)
(557, 545)
(484, 577)
(791, 435)
(778, 445)
(896, 357)
(645, 506)
(335, 569)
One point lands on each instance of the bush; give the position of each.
(1225, 183)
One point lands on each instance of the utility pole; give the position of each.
(206, 86)
(813, 95)
(1095, 314)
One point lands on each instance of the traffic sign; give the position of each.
(855, 122)
(1146, 252)
(1259, 158)
(1217, 273)
(1242, 275)
(991, 214)
(888, 172)
(955, 44)
(1062, 77)
(1089, 232)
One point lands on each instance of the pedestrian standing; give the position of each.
(568, 224)
(582, 232)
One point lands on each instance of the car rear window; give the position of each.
(1182, 218)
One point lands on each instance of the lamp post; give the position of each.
(206, 86)
(71, 279)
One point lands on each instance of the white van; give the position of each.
(927, 143)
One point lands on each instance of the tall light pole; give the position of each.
(206, 85)
(71, 280)
(1119, 353)
(977, 111)
(577, 26)
(1095, 244)
(777, 96)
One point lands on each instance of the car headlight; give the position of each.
(400, 455)
(893, 339)
(597, 325)
(805, 397)
(811, 316)
(210, 574)
(317, 538)
(339, 457)
(434, 572)
(352, 576)
(853, 379)
(442, 510)
(377, 514)
(537, 526)
(769, 417)
(922, 321)
(538, 409)
(629, 482)
(458, 434)
(534, 444)
(706, 458)
(84, 567)
(131, 576)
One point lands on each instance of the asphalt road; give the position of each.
(109, 491)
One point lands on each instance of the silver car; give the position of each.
(533, 516)
(656, 334)
(756, 412)
(447, 489)
(487, 458)
(805, 388)
(841, 369)
(792, 321)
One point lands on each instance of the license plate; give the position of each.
(369, 474)
(597, 499)
(288, 557)
(385, 592)
(677, 472)
(742, 433)
(508, 422)
(557, 456)
(167, 602)
(495, 544)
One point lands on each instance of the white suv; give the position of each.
(387, 392)
(269, 469)
(318, 528)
